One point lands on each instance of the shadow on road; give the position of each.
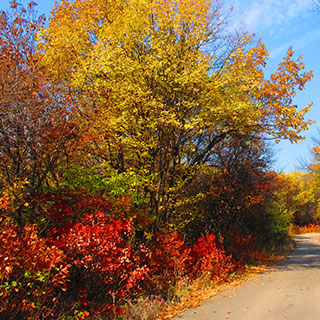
(306, 255)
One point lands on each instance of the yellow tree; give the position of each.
(314, 187)
(161, 87)
(299, 196)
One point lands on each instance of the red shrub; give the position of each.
(170, 259)
(207, 257)
(106, 267)
(173, 259)
(32, 275)
(90, 269)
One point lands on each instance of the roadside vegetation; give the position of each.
(134, 164)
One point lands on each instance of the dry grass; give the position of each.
(186, 294)
(144, 308)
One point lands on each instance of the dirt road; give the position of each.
(288, 291)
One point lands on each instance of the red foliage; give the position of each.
(66, 207)
(310, 228)
(173, 259)
(93, 266)
(4, 204)
(97, 263)
(170, 257)
(108, 266)
(207, 257)
(32, 274)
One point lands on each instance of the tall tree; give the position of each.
(161, 88)
(35, 128)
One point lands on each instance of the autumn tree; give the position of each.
(36, 130)
(309, 189)
(305, 197)
(231, 188)
(161, 87)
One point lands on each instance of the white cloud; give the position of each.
(258, 16)
(297, 44)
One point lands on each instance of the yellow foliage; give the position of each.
(14, 195)
(154, 89)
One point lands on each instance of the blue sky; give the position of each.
(280, 24)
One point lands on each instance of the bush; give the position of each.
(107, 268)
(90, 269)
(207, 257)
(170, 260)
(33, 274)
(173, 260)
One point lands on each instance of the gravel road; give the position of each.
(287, 291)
